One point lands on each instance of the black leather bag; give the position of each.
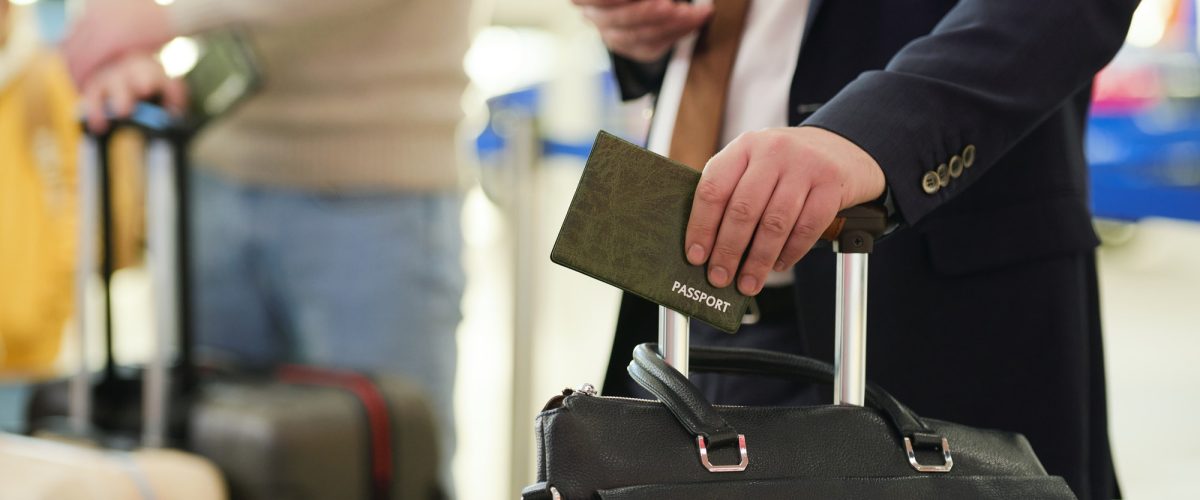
(683, 447)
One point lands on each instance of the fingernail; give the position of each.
(695, 254)
(749, 285)
(779, 266)
(718, 276)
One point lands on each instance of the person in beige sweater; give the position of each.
(327, 206)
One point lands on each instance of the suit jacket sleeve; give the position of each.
(986, 76)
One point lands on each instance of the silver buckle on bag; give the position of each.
(912, 458)
(741, 466)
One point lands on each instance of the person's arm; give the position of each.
(110, 29)
(639, 35)
(983, 79)
(986, 76)
(188, 17)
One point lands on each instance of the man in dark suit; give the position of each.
(968, 118)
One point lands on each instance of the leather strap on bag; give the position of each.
(759, 362)
(700, 417)
(539, 491)
(681, 397)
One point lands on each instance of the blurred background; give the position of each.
(540, 89)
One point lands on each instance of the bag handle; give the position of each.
(690, 407)
(701, 418)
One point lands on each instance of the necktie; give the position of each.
(702, 106)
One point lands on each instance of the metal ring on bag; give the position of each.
(912, 458)
(741, 466)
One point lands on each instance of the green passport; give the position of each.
(626, 225)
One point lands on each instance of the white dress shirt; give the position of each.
(759, 86)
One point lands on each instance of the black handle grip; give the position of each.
(150, 118)
(855, 229)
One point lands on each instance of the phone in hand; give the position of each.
(226, 73)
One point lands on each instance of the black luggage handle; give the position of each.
(178, 139)
(701, 418)
(158, 418)
(855, 229)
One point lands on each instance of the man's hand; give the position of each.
(110, 29)
(643, 30)
(773, 192)
(115, 88)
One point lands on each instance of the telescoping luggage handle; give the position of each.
(166, 239)
(853, 234)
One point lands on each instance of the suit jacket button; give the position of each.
(930, 182)
(968, 155)
(943, 175)
(956, 166)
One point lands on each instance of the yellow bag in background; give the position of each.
(39, 137)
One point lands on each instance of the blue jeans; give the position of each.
(368, 282)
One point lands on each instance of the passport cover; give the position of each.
(626, 225)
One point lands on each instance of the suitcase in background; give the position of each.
(305, 433)
(225, 75)
(317, 433)
(113, 403)
(76, 460)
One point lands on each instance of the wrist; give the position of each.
(863, 179)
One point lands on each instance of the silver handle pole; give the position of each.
(673, 339)
(80, 402)
(521, 159)
(161, 218)
(850, 347)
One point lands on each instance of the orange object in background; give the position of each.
(38, 139)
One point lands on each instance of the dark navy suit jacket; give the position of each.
(984, 306)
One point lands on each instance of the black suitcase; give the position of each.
(683, 447)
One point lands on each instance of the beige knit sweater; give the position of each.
(359, 95)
